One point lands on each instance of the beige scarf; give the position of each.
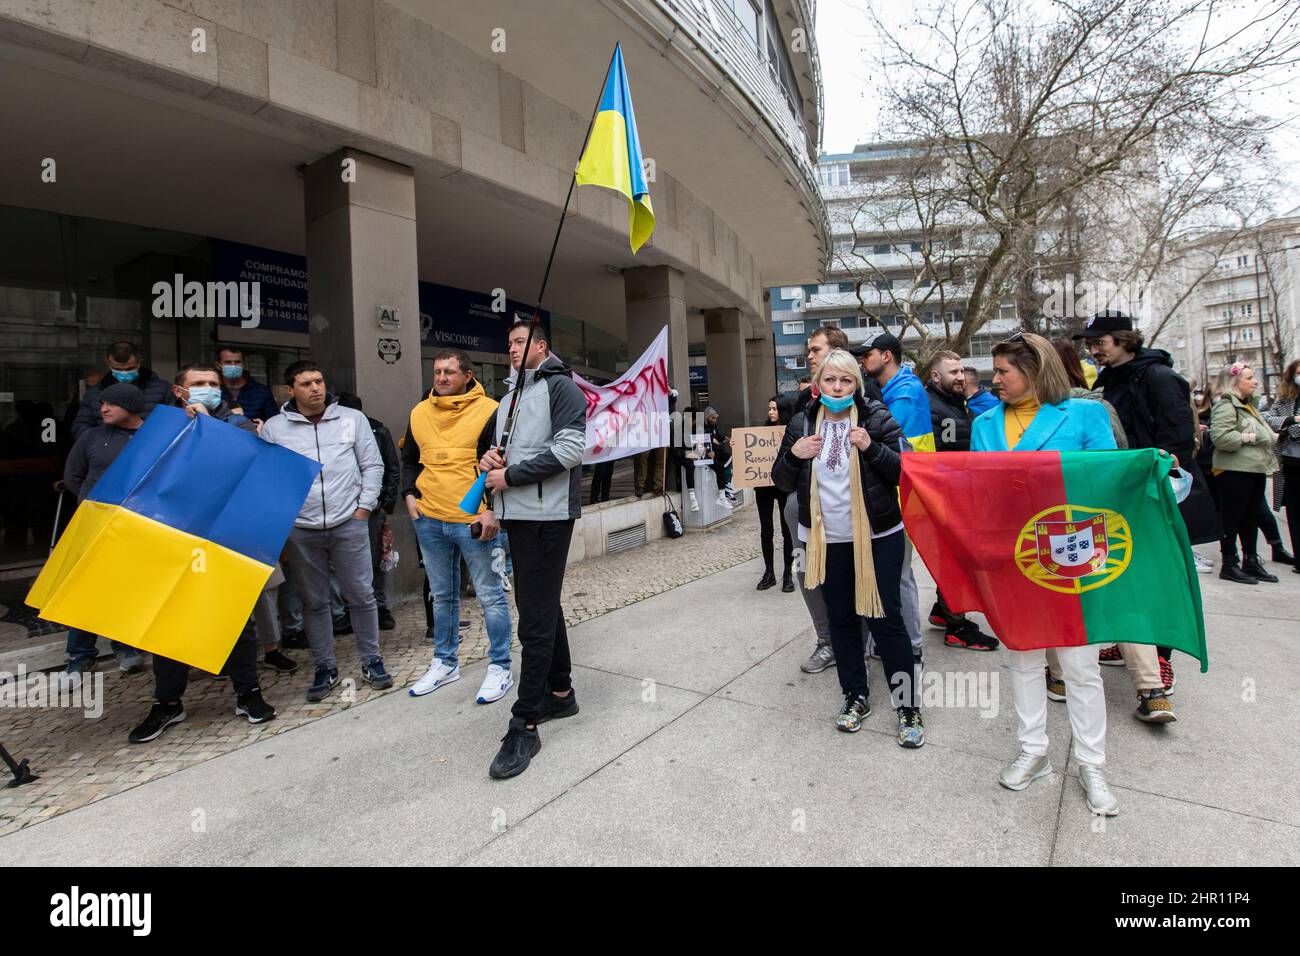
(866, 597)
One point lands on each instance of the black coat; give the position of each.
(880, 464)
(392, 465)
(949, 420)
(1154, 405)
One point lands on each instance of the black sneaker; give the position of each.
(518, 747)
(968, 636)
(556, 708)
(322, 683)
(1255, 568)
(280, 662)
(768, 580)
(251, 705)
(294, 639)
(386, 622)
(373, 673)
(787, 583)
(161, 716)
(937, 617)
(1281, 555)
(342, 625)
(911, 732)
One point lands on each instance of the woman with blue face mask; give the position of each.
(840, 456)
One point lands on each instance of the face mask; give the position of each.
(232, 371)
(130, 376)
(1182, 482)
(837, 404)
(208, 396)
(1296, 379)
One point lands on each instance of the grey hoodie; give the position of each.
(352, 470)
(544, 458)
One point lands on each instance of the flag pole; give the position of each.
(541, 293)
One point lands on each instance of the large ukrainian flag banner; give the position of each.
(176, 541)
(612, 157)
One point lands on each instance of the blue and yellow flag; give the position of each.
(174, 544)
(612, 157)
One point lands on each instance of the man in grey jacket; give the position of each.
(332, 529)
(537, 489)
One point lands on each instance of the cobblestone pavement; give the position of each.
(81, 760)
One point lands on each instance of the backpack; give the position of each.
(672, 522)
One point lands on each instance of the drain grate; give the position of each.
(626, 539)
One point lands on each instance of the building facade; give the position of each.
(391, 173)
(877, 270)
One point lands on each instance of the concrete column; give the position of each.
(760, 371)
(361, 254)
(724, 345)
(656, 296)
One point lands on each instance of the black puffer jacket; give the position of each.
(949, 420)
(880, 464)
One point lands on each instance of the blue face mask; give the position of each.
(208, 396)
(130, 376)
(232, 371)
(836, 404)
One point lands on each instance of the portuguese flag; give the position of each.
(1058, 548)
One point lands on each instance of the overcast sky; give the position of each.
(846, 42)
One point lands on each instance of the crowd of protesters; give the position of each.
(833, 495)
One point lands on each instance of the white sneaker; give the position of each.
(1203, 565)
(695, 504)
(436, 676)
(495, 684)
(722, 501)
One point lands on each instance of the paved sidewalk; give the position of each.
(700, 741)
(82, 760)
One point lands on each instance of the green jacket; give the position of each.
(1228, 419)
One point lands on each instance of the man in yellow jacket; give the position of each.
(439, 464)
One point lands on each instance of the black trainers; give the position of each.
(161, 716)
(373, 673)
(968, 636)
(322, 683)
(518, 747)
(342, 624)
(937, 617)
(1255, 568)
(787, 582)
(768, 580)
(294, 639)
(556, 708)
(280, 662)
(386, 622)
(251, 705)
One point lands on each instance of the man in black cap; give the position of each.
(1154, 406)
(121, 408)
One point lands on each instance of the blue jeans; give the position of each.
(443, 544)
(81, 647)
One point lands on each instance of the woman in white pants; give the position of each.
(1035, 414)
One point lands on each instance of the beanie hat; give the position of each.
(125, 396)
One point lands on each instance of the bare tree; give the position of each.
(1051, 123)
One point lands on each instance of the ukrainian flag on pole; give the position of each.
(612, 157)
(177, 540)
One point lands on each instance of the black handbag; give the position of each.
(672, 522)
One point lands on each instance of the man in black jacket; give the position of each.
(950, 422)
(123, 360)
(1154, 406)
(121, 407)
(387, 501)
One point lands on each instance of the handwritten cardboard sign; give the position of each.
(753, 451)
